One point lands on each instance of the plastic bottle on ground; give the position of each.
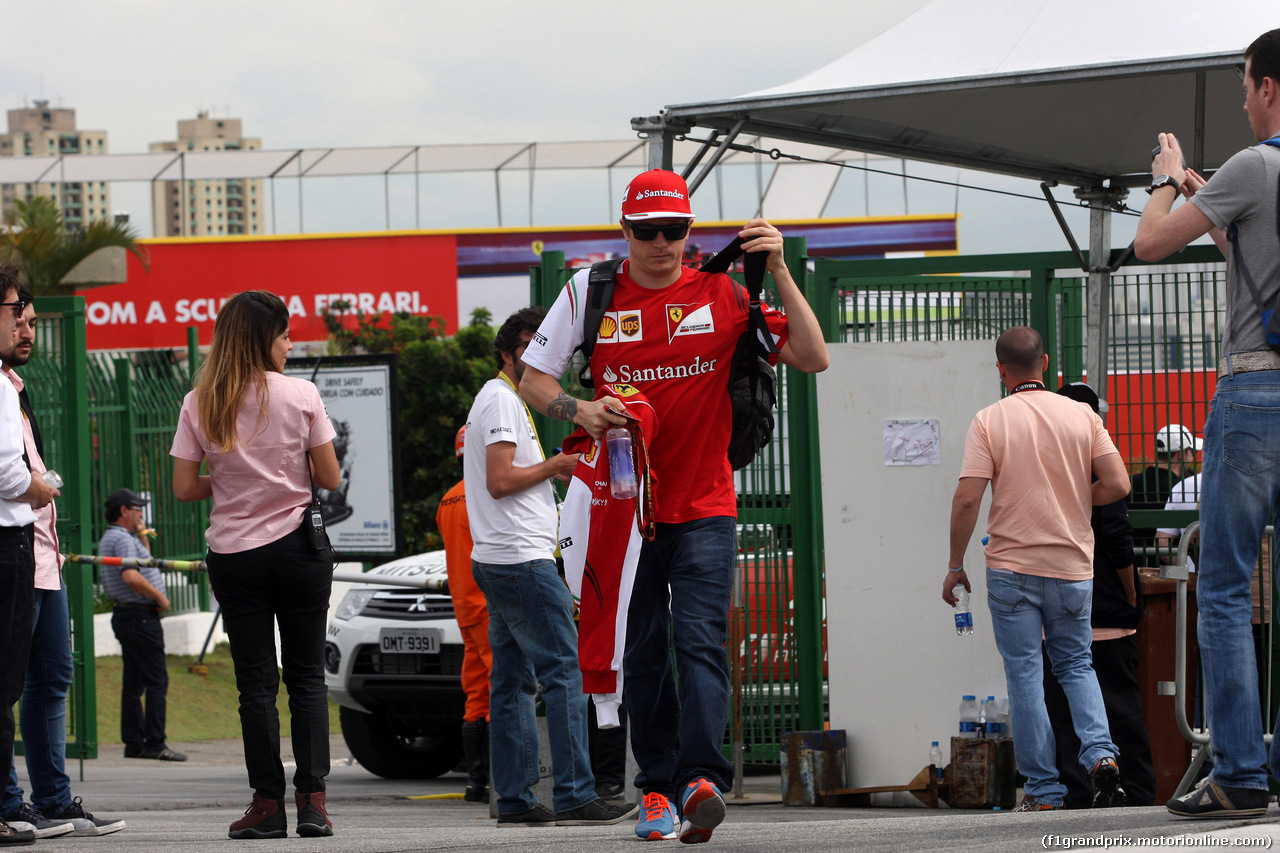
(935, 758)
(992, 723)
(969, 711)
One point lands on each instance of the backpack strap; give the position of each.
(600, 282)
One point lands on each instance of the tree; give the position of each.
(437, 378)
(37, 239)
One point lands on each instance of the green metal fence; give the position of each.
(134, 403)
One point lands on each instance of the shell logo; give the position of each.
(608, 327)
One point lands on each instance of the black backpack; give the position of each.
(753, 383)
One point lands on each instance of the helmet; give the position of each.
(458, 442)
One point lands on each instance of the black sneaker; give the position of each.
(1107, 792)
(597, 813)
(26, 818)
(539, 815)
(163, 754)
(1209, 799)
(9, 835)
(85, 823)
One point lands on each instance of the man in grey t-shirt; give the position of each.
(1238, 208)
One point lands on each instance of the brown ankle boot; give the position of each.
(313, 820)
(264, 818)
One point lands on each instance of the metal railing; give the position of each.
(1199, 736)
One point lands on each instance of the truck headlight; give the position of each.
(353, 603)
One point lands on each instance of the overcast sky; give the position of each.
(387, 72)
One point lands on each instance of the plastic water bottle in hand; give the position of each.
(964, 618)
(622, 469)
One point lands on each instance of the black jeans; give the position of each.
(286, 582)
(17, 612)
(144, 673)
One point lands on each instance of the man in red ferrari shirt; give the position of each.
(670, 331)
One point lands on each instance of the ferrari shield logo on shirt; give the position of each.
(623, 390)
(620, 327)
(689, 320)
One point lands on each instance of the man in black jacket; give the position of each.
(1117, 610)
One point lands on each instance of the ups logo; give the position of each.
(630, 324)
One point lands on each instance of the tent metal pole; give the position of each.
(720, 151)
(1101, 200)
(661, 133)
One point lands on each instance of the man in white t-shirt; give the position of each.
(511, 509)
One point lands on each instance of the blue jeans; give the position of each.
(1239, 488)
(682, 588)
(44, 710)
(1022, 606)
(534, 641)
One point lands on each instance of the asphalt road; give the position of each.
(174, 808)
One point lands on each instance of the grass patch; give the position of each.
(199, 708)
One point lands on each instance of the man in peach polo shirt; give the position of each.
(1039, 451)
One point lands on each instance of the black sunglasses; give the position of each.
(21, 304)
(646, 233)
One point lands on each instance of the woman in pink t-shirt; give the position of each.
(266, 439)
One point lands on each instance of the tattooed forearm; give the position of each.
(563, 407)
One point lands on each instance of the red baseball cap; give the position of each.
(460, 440)
(656, 194)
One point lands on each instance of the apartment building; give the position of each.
(202, 208)
(44, 131)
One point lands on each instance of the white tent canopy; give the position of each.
(1072, 90)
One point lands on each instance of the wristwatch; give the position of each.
(1163, 181)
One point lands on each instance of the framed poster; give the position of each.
(362, 515)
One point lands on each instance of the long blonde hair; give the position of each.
(243, 334)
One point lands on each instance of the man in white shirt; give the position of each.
(511, 509)
(20, 495)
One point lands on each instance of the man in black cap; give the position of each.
(139, 595)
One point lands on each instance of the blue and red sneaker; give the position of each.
(703, 809)
(659, 820)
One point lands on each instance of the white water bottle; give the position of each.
(964, 618)
(935, 758)
(1002, 717)
(969, 711)
(992, 724)
(622, 469)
